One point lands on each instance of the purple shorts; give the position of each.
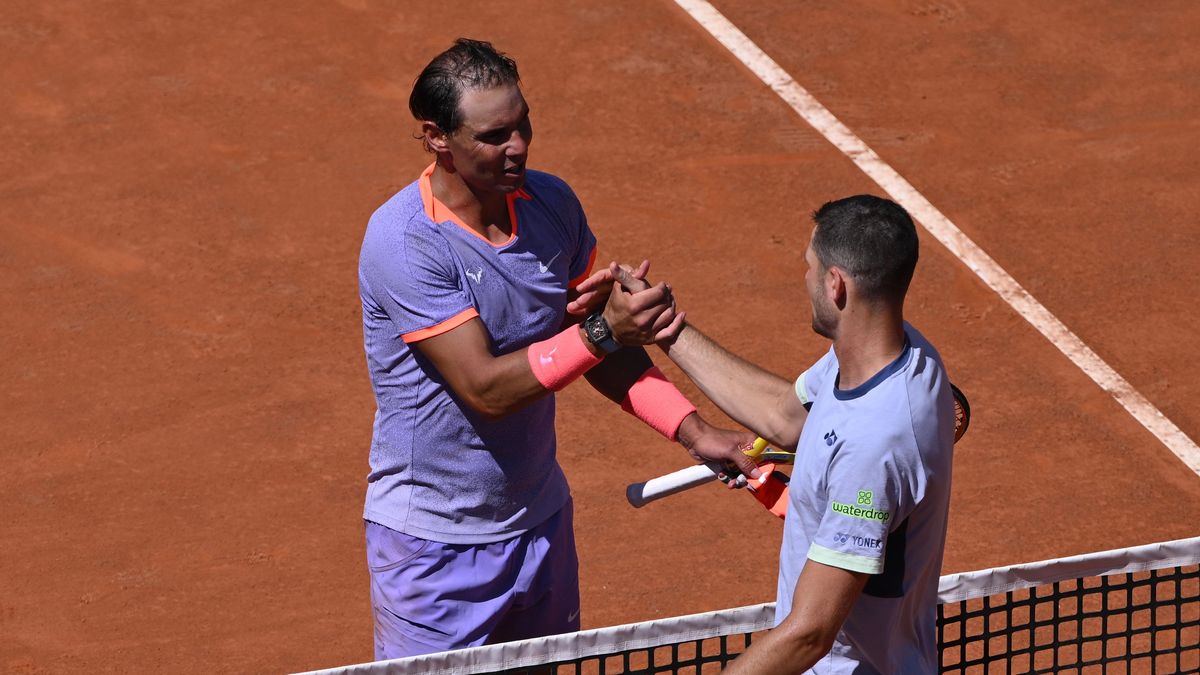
(430, 597)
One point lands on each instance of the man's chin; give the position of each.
(822, 330)
(513, 181)
(510, 187)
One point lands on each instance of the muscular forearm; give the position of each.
(820, 605)
(744, 391)
(500, 385)
(780, 651)
(495, 386)
(504, 387)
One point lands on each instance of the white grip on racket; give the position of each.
(640, 494)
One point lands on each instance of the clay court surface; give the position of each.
(183, 190)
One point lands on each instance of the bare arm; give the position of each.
(495, 386)
(823, 598)
(492, 386)
(756, 398)
(614, 377)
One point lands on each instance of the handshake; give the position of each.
(636, 312)
(632, 312)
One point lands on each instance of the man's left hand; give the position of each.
(593, 291)
(635, 281)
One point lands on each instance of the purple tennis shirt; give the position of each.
(439, 471)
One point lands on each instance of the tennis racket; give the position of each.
(640, 494)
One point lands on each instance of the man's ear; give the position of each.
(836, 287)
(434, 137)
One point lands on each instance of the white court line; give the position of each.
(945, 231)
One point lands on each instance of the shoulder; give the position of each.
(930, 401)
(548, 187)
(827, 363)
(399, 235)
(811, 381)
(883, 417)
(925, 374)
(882, 429)
(401, 206)
(400, 221)
(924, 354)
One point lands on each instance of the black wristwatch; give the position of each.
(599, 333)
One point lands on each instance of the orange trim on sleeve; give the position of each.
(587, 272)
(443, 327)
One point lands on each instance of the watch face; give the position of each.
(599, 333)
(597, 329)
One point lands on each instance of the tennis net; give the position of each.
(1134, 610)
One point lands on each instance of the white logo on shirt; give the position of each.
(574, 615)
(543, 266)
(859, 541)
(548, 358)
(475, 274)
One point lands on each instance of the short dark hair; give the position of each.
(469, 63)
(871, 238)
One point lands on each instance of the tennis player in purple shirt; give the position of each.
(471, 320)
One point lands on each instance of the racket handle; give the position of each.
(640, 494)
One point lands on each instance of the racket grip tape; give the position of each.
(640, 494)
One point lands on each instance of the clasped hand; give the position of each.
(637, 312)
(641, 313)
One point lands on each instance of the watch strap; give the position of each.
(599, 333)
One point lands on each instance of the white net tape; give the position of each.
(967, 585)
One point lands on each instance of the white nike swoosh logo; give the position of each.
(546, 265)
(548, 358)
(574, 615)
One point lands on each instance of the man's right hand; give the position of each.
(755, 398)
(706, 443)
(638, 317)
(634, 281)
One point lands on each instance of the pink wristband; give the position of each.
(560, 360)
(655, 401)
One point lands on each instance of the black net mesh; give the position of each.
(1141, 622)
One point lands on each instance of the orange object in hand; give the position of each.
(770, 489)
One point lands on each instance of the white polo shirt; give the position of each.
(870, 492)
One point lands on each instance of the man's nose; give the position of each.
(518, 145)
